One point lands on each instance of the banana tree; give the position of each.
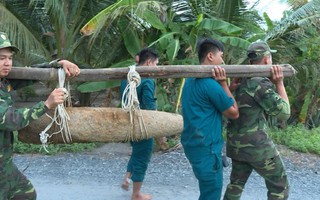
(296, 37)
(45, 29)
(166, 27)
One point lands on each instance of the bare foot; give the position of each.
(141, 196)
(125, 184)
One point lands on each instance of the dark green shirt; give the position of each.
(203, 102)
(145, 92)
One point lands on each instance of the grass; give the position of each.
(298, 138)
(20, 147)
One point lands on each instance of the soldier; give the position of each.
(204, 102)
(13, 184)
(248, 144)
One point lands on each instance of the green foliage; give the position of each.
(24, 148)
(298, 138)
(167, 94)
(151, 17)
(88, 87)
(220, 26)
(130, 38)
(172, 50)
(304, 109)
(97, 86)
(119, 29)
(21, 25)
(268, 21)
(172, 142)
(235, 42)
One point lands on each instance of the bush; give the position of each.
(298, 138)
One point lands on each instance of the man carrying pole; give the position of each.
(13, 184)
(204, 102)
(248, 144)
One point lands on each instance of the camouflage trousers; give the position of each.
(272, 170)
(15, 186)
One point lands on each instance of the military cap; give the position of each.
(257, 50)
(5, 42)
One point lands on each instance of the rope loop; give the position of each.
(60, 117)
(133, 75)
(130, 103)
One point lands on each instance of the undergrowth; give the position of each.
(298, 138)
(20, 147)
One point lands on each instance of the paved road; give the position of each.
(97, 175)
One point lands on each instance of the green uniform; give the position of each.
(13, 184)
(141, 150)
(203, 102)
(248, 143)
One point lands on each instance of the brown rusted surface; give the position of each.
(88, 124)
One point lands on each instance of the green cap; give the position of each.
(5, 42)
(257, 50)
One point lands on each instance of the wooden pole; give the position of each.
(167, 71)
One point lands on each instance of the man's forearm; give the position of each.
(51, 64)
(225, 87)
(282, 91)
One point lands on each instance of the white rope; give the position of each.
(60, 118)
(130, 103)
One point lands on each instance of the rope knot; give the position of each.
(60, 117)
(136, 80)
(133, 75)
(66, 93)
(44, 139)
(130, 103)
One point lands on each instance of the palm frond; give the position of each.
(295, 4)
(20, 34)
(220, 26)
(269, 22)
(140, 16)
(307, 15)
(231, 10)
(107, 16)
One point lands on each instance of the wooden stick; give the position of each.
(167, 71)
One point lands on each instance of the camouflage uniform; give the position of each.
(248, 143)
(13, 184)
